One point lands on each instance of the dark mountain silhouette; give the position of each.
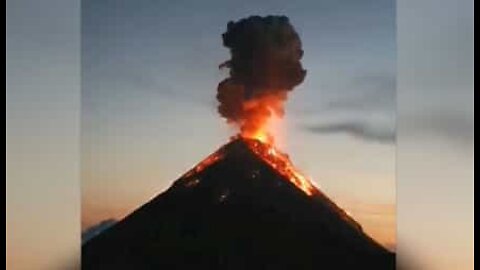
(235, 211)
(97, 229)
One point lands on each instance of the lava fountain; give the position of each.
(264, 67)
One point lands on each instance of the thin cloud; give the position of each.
(358, 130)
(364, 109)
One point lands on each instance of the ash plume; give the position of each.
(264, 66)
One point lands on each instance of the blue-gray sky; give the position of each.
(170, 51)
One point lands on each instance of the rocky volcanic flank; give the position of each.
(236, 210)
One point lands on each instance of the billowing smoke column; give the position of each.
(264, 67)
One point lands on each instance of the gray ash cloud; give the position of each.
(265, 61)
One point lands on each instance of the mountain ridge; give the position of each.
(234, 210)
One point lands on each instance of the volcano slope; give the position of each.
(235, 211)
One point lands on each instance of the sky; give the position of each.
(434, 148)
(149, 78)
(435, 127)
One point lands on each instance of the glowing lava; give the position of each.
(213, 158)
(281, 163)
(262, 137)
(260, 114)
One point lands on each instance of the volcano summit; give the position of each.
(243, 207)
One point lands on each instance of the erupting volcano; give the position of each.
(245, 206)
(264, 66)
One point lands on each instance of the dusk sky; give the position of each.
(149, 79)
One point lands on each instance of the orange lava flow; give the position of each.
(280, 162)
(204, 164)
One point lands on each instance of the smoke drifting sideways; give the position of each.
(264, 66)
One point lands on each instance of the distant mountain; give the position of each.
(240, 208)
(96, 229)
